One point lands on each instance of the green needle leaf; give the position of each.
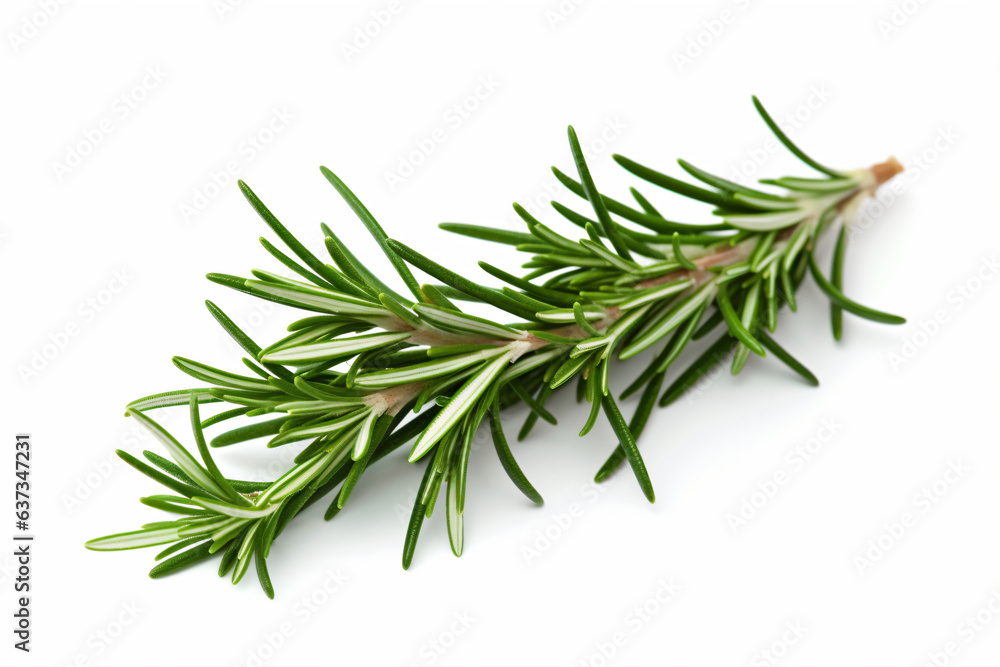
(182, 488)
(417, 517)
(643, 202)
(455, 322)
(206, 456)
(554, 297)
(581, 321)
(723, 184)
(532, 404)
(180, 455)
(635, 426)
(262, 575)
(182, 560)
(721, 200)
(709, 358)
(300, 355)
(786, 358)
(736, 326)
(837, 297)
(627, 441)
(313, 262)
(374, 229)
(135, 539)
(451, 278)
(244, 341)
(487, 233)
(788, 142)
(459, 404)
(510, 465)
(679, 256)
(361, 270)
(837, 280)
(609, 226)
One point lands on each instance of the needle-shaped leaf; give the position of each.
(361, 270)
(724, 184)
(837, 297)
(301, 355)
(399, 310)
(786, 358)
(627, 440)
(555, 297)
(717, 352)
(653, 222)
(177, 546)
(180, 487)
(339, 257)
(609, 226)
(174, 504)
(262, 574)
(720, 199)
(135, 539)
(374, 229)
(487, 233)
(171, 398)
(323, 428)
(763, 222)
(532, 404)
(736, 327)
(635, 425)
(668, 321)
(325, 271)
(293, 265)
(316, 298)
(237, 511)
(657, 293)
(451, 278)
(566, 315)
(206, 456)
(459, 404)
(243, 340)
(249, 432)
(219, 377)
(788, 142)
(580, 316)
(378, 430)
(416, 517)
(180, 455)
(679, 255)
(643, 202)
(529, 422)
(182, 560)
(426, 370)
(436, 294)
(507, 460)
(598, 250)
(455, 322)
(837, 280)
(454, 519)
(363, 442)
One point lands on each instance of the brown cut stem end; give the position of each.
(886, 170)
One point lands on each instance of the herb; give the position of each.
(345, 378)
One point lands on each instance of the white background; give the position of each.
(867, 80)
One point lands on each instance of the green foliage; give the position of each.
(346, 378)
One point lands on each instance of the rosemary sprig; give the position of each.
(345, 378)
